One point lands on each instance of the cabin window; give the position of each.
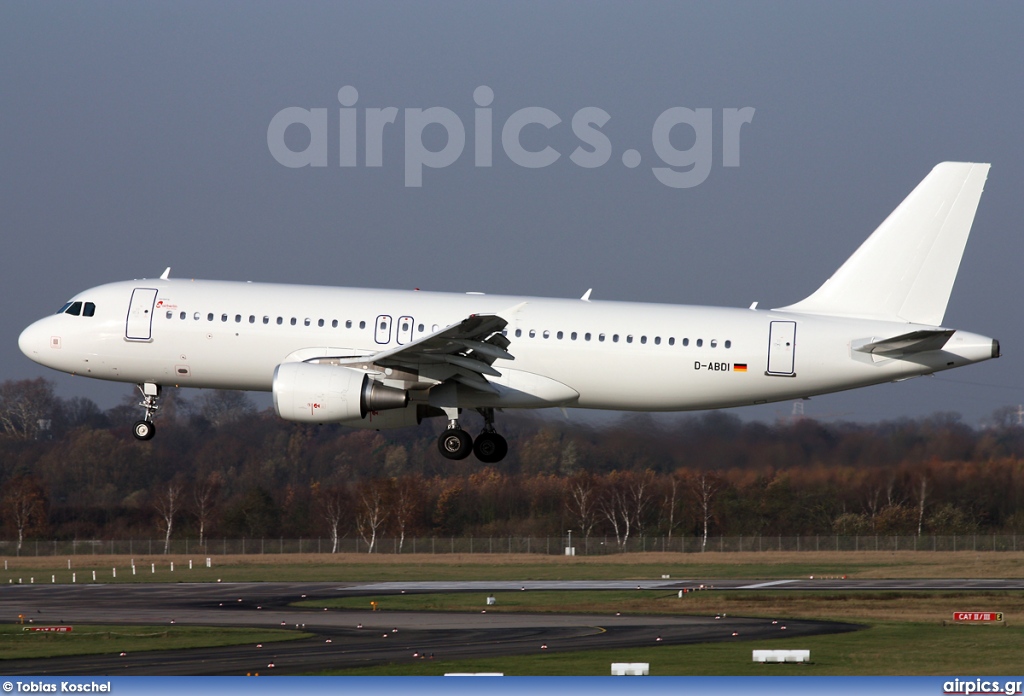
(320, 322)
(348, 324)
(714, 342)
(362, 325)
(334, 324)
(196, 316)
(572, 336)
(293, 321)
(615, 338)
(686, 341)
(700, 342)
(306, 321)
(252, 318)
(600, 337)
(238, 318)
(209, 317)
(280, 320)
(671, 340)
(170, 314)
(657, 340)
(223, 317)
(728, 344)
(643, 340)
(519, 333)
(547, 334)
(266, 319)
(533, 333)
(629, 338)
(420, 329)
(182, 315)
(586, 336)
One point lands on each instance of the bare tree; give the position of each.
(221, 406)
(920, 502)
(406, 505)
(24, 506)
(204, 499)
(26, 407)
(333, 502)
(167, 504)
(641, 498)
(372, 510)
(704, 486)
(671, 499)
(582, 503)
(616, 506)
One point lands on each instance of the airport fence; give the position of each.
(551, 546)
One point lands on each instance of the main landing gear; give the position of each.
(489, 447)
(145, 429)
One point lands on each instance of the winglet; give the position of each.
(166, 274)
(906, 268)
(586, 295)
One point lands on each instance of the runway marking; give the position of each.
(765, 584)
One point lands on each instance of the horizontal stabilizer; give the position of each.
(913, 342)
(905, 270)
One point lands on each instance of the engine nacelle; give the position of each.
(311, 393)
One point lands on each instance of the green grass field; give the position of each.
(17, 643)
(904, 635)
(904, 624)
(766, 565)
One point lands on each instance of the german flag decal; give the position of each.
(739, 367)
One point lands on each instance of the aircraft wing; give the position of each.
(463, 352)
(913, 342)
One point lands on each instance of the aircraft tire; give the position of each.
(143, 430)
(455, 444)
(490, 448)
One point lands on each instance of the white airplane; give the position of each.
(389, 358)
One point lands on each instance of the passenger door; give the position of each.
(139, 325)
(782, 348)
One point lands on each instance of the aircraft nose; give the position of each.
(32, 341)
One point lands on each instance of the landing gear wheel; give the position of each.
(455, 443)
(143, 430)
(490, 448)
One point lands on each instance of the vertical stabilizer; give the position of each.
(905, 270)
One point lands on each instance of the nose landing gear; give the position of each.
(145, 429)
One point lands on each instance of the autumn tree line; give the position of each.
(221, 468)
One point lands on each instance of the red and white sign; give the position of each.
(49, 629)
(977, 616)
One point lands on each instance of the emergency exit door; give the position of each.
(782, 348)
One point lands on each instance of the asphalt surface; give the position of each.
(364, 638)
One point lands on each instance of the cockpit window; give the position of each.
(78, 309)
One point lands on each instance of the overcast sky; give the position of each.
(135, 136)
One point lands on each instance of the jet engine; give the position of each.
(312, 393)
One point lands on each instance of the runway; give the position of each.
(361, 638)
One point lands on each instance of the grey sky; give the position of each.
(133, 136)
